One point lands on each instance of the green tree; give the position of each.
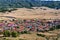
(14, 34)
(6, 33)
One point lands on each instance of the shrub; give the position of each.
(14, 34)
(58, 27)
(25, 32)
(51, 29)
(6, 33)
(22, 32)
(41, 35)
(22, 39)
(17, 27)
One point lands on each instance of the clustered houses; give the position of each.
(28, 25)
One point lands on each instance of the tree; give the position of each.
(6, 33)
(14, 34)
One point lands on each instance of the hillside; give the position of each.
(5, 4)
(36, 12)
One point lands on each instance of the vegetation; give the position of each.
(22, 39)
(17, 27)
(8, 38)
(6, 4)
(41, 35)
(25, 32)
(14, 34)
(6, 33)
(58, 27)
(7, 9)
(51, 29)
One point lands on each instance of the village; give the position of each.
(29, 25)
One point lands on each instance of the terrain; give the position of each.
(28, 9)
(36, 12)
(6, 4)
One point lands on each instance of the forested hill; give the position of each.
(28, 3)
(4, 4)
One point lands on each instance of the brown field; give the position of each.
(36, 12)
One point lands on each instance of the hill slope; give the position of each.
(28, 3)
(36, 12)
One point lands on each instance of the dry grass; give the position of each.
(25, 13)
(31, 36)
